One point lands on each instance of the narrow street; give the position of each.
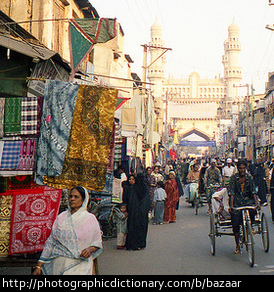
(183, 248)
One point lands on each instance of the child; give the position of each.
(159, 200)
(122, 226)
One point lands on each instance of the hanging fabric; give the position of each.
(33, 213)
(29, 116)
(86, 158)
(58, 108)
(12, 120)
(2, 116)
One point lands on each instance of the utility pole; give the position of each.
(145, 66)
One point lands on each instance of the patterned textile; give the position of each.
(13, 108)
(10, 155)
(29, 116)
(58, 108)
(26, 155)
(21, 182)
(2, 116)
(87, 153)
(5, 214)
(33, 214)
(40, 101)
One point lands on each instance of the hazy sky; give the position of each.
(196, 31)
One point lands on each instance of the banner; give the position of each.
(84, 33)
(198, 143)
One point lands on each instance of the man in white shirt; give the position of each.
(228, 170)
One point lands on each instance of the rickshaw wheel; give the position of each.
(212, 234)
(264, 233)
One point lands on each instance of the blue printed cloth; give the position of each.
(58, 108)
(10, 155)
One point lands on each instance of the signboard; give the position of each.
(198, 143)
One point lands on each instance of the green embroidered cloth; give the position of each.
(12, 119)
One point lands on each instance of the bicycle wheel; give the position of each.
(249, 243)
(212, 234)
(196, 204)
(264, 233)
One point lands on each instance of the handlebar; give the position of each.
(213, 186)
(245, 208)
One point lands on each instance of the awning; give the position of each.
(26, 48)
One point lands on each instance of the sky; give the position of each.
(196, 31)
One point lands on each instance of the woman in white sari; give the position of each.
(75, 240)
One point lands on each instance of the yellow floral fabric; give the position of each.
(5, 215)
(87, 153)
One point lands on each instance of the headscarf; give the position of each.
(70, 234)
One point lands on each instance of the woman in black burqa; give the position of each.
(136, 197)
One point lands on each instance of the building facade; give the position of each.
(195, 104)
(48, 21)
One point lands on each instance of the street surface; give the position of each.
(182, 248)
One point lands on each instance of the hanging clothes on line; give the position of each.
(86, 158)
(58, 108)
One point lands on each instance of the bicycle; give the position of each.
(219, 227)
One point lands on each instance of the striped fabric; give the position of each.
(10, 155)
(29, 116)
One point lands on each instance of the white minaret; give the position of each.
(232, 70)
(156, 72)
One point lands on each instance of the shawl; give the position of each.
(58, 108)
(70, 234)
(172, 191)
(87, 154)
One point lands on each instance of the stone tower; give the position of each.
(156, 72)
(232, 70)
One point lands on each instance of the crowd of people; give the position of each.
(75, 240)
(156, 192)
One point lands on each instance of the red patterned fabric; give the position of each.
(33, 213)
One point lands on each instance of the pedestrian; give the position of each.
(227, 171)
(159, 201)
(272, 195)
(151, 181)
(213, 178)
(260, 183)
(157, 175)
(172, 192)
(75, 240)
(122, 226)
(136, 197)
(168, 168)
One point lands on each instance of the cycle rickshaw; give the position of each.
(219, 227)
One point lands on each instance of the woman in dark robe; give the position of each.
(136, 197)
(260, 182)
(172, 192)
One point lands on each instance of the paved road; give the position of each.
(182, 248)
